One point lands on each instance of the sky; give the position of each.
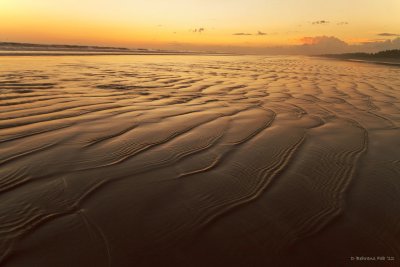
(253, 25)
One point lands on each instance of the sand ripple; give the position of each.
(198, 161)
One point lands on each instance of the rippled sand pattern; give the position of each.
(198, 161)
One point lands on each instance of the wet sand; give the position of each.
(198, 161)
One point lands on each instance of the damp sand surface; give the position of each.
(198, 161)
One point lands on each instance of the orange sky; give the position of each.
(195, 24)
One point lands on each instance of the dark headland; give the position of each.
(387, 57)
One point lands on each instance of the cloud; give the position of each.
(342, 23)
(388, 34)
(333, 45)
(318, 22)
(319, 40)
(374, 40)
(317, 45)
(259, 33)
(322, 44)
(380, 45)
(199, 30)
(310, 45)
(242, 33)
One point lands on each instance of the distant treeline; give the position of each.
(390, 54)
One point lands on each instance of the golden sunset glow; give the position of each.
(195, 24)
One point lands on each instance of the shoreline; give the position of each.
(84, 53)
(376, 62)
(380, 61)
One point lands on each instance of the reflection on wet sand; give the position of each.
(197, 161)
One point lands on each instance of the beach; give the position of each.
(185, 160)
